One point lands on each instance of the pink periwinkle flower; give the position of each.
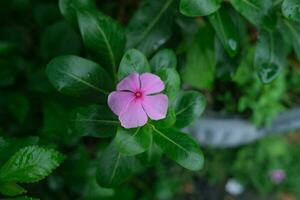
(277, 176)
(137, 98)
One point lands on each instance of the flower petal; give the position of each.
(131, 83)
(151, 83)
(156, 106)
(119, 101)
(134, 115)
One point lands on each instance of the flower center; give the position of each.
(138, 94)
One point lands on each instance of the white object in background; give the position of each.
(234, 187)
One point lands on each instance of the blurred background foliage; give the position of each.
(31, 112)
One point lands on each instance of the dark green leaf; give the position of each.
(22, 198)
(291, 9)
(103, 37)
(30, 164)
(269, 56)
(199, 71)
(151, 156)
(68, 8)
(165, 58)
(199, 7)
(226, 31)
(151, 26)
(133, 141)
(293, 33)
(179, 147)
(75, 76)
(172, 82)
(188, 107)
(18, 105)
(133, 61)
(114, 168)
(59, 39)
(257, 12)
(11, 189)
(94, 120)
(8, 73)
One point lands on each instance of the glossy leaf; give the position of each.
(103, 37)
(114, 168)
(291, 9)
(171, 79)
(226, 31)
(151, 25)
(165, 58)
(168, 121)
(199, 71)
(133, 141)
(194, 8)
(257, 12)
(68, 8)
(133, 61)
(188, 107)
(30, 164)
(11, 189)
(269, 56)
(94, 120)
(76, 76)
(179, 147)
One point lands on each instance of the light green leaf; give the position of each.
(30, 164)
(133, 61)
(188, 107)
(195, 8)
(76, 76)
(199, 71)
(133, 141)
(179, 147)
(151, 26)
(291, 9)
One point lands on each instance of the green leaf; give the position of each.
(22, 198)
(171, 79)
(8, 73)
(179, 147)
(151, 26)
(133, 61)
(18, 105)
(11, 189)
(199, 71)
(194, 8)
(257, 12)
(269, 56)
(293, 33)
(226, 31)
(133, 141)
(68, 8)
(168, 121)
(30, 164)
(151, 156)
(94, 120)
(59, 39)
(75, 76)
(103, 37)
(291, 9)
(165, 58)
(115, 168)
(188, 107)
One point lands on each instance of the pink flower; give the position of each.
(137, 98)
(277, 176)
